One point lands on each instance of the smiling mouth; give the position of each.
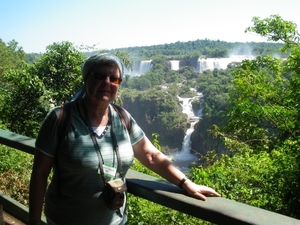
(103, 90)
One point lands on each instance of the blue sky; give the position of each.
(110, 24)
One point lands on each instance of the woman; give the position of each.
(79, 160)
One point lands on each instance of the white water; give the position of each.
(139, 68)
(212, 63)
(184, 158)
(174, 64)
(145, 66)
(221, 63)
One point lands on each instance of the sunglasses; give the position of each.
(101, 76)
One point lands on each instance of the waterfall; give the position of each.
(174, 64)
(183, 158)
(218, 63)
(139, 68)
(145, 66)
(142, 66)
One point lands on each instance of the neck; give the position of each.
(98, 114)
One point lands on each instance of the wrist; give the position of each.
(181, 183)
(34, 223)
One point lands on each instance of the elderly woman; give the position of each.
(87, 157)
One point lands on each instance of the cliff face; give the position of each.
(190, 62)
(146, 114)
(202, 141)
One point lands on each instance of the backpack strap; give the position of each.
(124, 116)
(64, 121)
(65, 117)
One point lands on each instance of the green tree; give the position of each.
(59, 69)
(215, 86)
(35, 88)
(141, 83)
(126, 59)
(23, 109)
(263, 126)
(11, 56)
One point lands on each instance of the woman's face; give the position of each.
(100, 85)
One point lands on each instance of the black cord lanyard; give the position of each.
(97, 148)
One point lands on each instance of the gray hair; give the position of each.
(100, 59)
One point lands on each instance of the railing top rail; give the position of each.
(17, 141)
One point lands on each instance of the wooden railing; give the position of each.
(217, 210)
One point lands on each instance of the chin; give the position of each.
(104, 99)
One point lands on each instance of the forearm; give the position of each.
(161, 165)
(38, 184)
(156, 161)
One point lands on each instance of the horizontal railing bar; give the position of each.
(17, 141)
(16, 209)
(215, 209)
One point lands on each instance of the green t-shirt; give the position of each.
(79, 199)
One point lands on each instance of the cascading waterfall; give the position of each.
(210, 63)
(218, 63)
(183, 158)
(174, 64)
(145, 66)
(139, 68)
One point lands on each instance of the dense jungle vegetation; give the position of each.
(247, 139)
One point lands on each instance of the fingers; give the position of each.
(200, 196)
(201, 191)
(210, 191)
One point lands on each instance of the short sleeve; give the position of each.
(47, 137)
(136, 133)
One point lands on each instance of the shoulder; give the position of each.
(120, 110)
(65, 108)
(54, 113)
(123, 115)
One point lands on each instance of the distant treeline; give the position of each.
(205, 48)
(195, 49)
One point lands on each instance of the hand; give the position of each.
(199, 191)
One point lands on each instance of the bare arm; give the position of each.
(41, 168)
(156, 161)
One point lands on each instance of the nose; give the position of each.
(107, 79)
